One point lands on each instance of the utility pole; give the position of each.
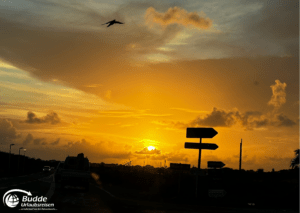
(24, 160)
(240, 166)
(19, 160)
(199, 158)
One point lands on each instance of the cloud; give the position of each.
(97, 152)
(55, 142)
(170, 157)
(49, 118)
(82, 52)
(7, 131)
(146, 151)
(39, 141)
(283, 120)
(79, 53)
(250, 120)
(178, 158)
(274, 28)
(278, 97)
(28, 139)
(216, 118)
(178, 16)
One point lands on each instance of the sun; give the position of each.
(151, 148)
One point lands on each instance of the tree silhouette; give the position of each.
(295, 161)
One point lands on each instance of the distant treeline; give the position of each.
(265, 189)
(20, 165)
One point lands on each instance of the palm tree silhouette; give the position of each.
(295, 161)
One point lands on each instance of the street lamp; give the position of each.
(24, 159)
(10, 154)
(19, 160)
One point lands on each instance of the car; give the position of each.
(46, 169)
(76, 172)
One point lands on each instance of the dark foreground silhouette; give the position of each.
(259, 189)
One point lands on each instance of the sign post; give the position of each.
(200, 133)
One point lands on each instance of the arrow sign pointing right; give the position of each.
(210, 146)
(201, 132)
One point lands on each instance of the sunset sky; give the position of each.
(69, 84)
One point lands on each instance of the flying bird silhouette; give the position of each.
(113, 22)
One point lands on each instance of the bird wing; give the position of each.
(110, 24)
(107, 22)
(118, 22)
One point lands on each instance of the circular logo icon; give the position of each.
(12, 200)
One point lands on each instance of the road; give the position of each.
(100, 200)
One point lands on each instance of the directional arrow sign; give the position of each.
(215, 164)
(216, 193)
(210, 146)
(200, 132)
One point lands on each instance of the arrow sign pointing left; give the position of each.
(210, 146)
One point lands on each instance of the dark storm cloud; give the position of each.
(51, 118)
(7, 131)
(148, 152)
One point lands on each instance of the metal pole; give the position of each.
(179, 185)
(240, 166)
(196, 185)
(24, 162)
(199, 159)
(9, 158)
(19, 160)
